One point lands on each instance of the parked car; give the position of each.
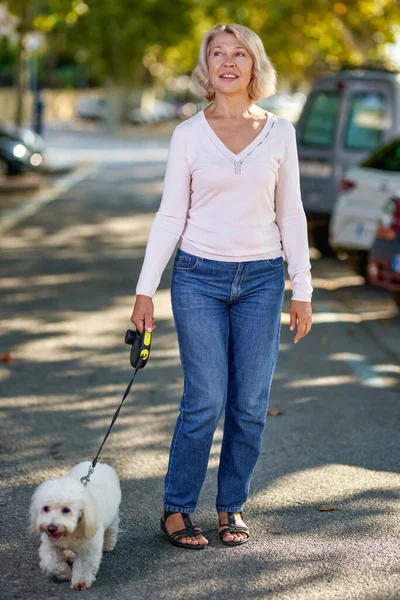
(91, 107)
(345, 118)
(384, 258)
(364, 191)
(288, 106)
(21, 150)
(160, 111)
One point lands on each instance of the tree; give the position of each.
(109, 36)
(302, 37)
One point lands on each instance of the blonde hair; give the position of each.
(263, 82)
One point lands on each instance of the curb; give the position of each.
(12, 217)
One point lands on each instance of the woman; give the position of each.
(231, 201)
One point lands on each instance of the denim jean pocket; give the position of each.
(184, 261)
(275, 262)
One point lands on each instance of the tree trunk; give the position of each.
(20, 82)
(24, 25)
(115, 105)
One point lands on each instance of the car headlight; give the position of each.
(29, 138)
(20, 151)
(36, 160)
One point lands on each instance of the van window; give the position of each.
(319, 125)
(386, 159)
(366, 121)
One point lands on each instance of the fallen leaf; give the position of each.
(178, 380)
(275, 412)
(323, 340)
(6, 357)
(327, 507)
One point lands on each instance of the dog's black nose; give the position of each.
(52, 528)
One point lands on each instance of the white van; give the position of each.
(345, 118)
(365, 190)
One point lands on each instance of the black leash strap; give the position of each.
(140, 352)
(85, 480)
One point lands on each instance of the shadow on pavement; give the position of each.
(67, 290)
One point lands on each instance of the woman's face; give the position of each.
(228, 56)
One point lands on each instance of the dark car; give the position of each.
(384, 258)
(21, 150)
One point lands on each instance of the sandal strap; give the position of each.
(231, 526)
(178, 536)
(180, 532)
(189, 525)
(190, 530)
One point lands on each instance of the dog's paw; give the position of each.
(109, 547)
(69, 556)
(61, 577)
(80, 585)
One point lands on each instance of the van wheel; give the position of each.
(321, 240)
(359, 263)
(396, 298)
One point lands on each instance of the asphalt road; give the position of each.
(67, 283)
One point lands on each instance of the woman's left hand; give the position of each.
(300, 315)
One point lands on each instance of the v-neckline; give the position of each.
(224, 149)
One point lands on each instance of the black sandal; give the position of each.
(189, 531)
(232, 528)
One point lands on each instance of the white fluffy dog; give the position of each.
(81, 519)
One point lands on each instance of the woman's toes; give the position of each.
(201, 540)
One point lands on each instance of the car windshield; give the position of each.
(320, 122)
(386, 159)
(366, 122)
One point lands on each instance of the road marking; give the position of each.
(338, 317)
(367, 374)
(117, 155)
(11, 217)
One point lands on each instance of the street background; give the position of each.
(67, 279)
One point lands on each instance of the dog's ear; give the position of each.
(88, 519)
(34, 513)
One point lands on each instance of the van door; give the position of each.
(316, 139)
(340, 128)
(366, 122)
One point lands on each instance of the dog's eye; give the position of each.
(46, 508)
(65, 511)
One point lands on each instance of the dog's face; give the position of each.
(61, 508)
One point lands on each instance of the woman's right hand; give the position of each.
(143, 313)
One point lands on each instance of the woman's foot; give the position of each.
(175, 522)
(234, 537)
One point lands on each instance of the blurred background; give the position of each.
(74, 71)
(130, 61)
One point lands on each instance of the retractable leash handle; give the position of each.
(140, 352)
(140, 343)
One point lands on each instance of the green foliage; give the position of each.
(301, 37)
(132, 41)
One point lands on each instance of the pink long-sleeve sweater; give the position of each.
(230, 207)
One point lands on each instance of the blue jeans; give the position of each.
(227, 317)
